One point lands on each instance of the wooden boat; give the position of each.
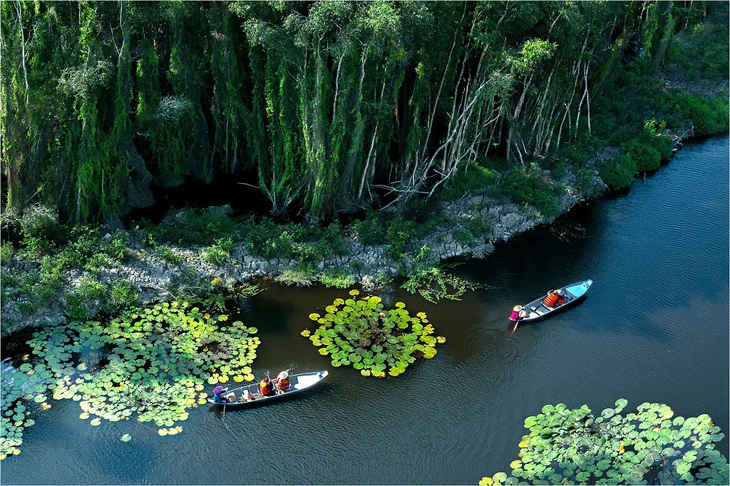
(236, 398)
(537, 309)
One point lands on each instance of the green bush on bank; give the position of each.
(709, 115)
(472, 177)
(195, 227)
(219, 252)
(650, 148)
(527, 185)
(370, 231)
(618, 173)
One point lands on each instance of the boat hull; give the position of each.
(537, 310)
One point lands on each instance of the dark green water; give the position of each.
(654, 328)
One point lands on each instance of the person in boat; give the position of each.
(561, 297)
(266, 387)
(517, 313)
(218, 394)
(282, 381)
(551, 298)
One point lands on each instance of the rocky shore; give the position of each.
(153, 278)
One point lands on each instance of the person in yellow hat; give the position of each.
(517, 313)
(266, 388)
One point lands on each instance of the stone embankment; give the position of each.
(153, 278)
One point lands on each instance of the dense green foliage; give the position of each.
(649, 446)
(327, 107)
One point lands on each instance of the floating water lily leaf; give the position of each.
(364, 335)
(568, 446)
(136, 355)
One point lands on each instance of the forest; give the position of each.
(326, 108)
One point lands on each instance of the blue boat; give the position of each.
(537, 309)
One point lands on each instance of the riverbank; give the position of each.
(148, 271)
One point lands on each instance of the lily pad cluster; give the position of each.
(20, 397)
(362, 334)
(649, 446)
(150, 363)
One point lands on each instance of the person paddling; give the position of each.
(266, 387)
(218, 394)
(282, 381)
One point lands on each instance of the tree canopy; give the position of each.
(326, 107)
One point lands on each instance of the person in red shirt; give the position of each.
(266, 387)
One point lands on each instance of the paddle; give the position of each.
(517, 322)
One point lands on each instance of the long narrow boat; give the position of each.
(537, 309)
(236, 398)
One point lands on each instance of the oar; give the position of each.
(517, 322)
(225, 402)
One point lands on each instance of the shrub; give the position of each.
(527, 186)
(302, 277)
(399, 234)
(337, 278)
(51, 278)
(471, 177)
(332, 238)
(370, 230)
(645, 156)
(259, 236)
(650, 148)
(116, 248)
(123, 295)
(6, 251)
(195, 227)
(168, 254)
(219, 252)
(709, 116)
(40, 228)
(90, 290)
(618, 173)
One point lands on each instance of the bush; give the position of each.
(645, 156)
(370, 230)
(472, 177)
(302, 277)
(123, 295)
(650, 148)
(51, 278)
(259, 236)
(40, 228)
(336, 278)
(90, 290)
(710, 116)
(6, 251)
(527, 186)
(218, 253)
(399, 234)
(195, 227)
(618, 173)
(168, 254)
(332, 238)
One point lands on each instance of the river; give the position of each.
(653, 328)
